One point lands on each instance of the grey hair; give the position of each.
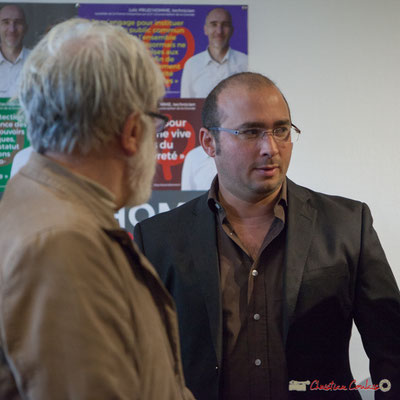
(81, 82)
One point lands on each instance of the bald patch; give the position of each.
(226, 12)
(13, 7)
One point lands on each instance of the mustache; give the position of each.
(267, 164)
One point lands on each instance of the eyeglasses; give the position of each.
(281, 134)
(160, 120)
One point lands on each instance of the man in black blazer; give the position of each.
(268, 276)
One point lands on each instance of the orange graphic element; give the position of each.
(172, 148)
(163, 27)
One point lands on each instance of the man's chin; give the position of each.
(220, 43)
(13, 43)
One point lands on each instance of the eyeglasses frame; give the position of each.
(236, 132)
(162, 117)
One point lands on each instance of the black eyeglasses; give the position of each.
(281, 134)
(160, 120)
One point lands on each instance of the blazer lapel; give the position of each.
(205, 257)
(300, 227)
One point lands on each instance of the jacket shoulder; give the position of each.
(177, 215)
(321, 200)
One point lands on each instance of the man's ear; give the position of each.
(131, 134)
(207, 141)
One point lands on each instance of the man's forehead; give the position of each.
(250, 89)
(11, 12)
(218, 15)
(250, 93)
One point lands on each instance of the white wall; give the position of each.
(337, 62)
(338, 65)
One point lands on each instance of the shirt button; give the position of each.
(254, 272)
(257, 362)
(256, 317)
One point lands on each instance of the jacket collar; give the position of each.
(300, 228)
(206, 265)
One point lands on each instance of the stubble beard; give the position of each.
(142, 168)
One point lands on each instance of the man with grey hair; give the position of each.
(83, 315)
(13, 54)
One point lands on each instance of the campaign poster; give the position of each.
(12, 138)
(176, 141)
(160, 201)
(33, 22)
(174, 33)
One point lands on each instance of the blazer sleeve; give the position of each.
(377, 311)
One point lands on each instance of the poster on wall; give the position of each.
(22, 25)
(12, 138)
(177, 33)
(176, 141)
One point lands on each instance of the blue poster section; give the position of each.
(174, 33)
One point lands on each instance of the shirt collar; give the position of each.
(2, 58)
(227, 56)
(208, 59)
(215, 205)
(21, 56)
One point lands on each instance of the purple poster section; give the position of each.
(174, 33)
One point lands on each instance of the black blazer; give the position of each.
(335, 271)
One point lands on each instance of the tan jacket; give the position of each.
(83, 314)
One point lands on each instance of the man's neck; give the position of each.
(218, 54)
(244, 209)
(103, 169)
(11, 53)
(250, 219)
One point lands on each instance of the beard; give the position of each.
(142, 168)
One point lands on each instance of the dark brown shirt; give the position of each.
(254, 365)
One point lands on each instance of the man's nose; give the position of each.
(268, 145)
(12, 26)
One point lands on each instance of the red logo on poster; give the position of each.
(164, 28)
(173, 145)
